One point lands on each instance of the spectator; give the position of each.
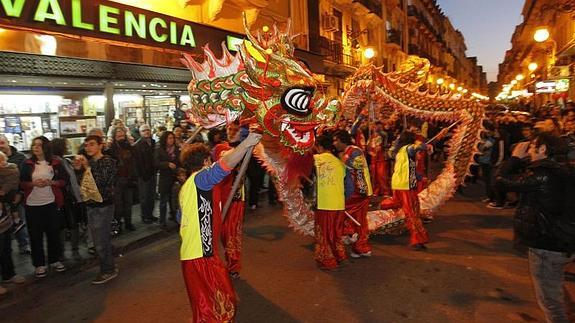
(6, 264)
(118, 123)
(11, 152)
(17, 158)
(167, 161)
(159, 132)
(72, 210)
(43, 179)
(543, 190)
(135, 129)
(123, 153)
(146, 172)
(100, 209)
(179, 134)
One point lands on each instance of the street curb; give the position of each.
(34, 285)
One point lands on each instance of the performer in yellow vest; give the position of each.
(329, 214)
(357, 192)
(209, 287)
(404, 186)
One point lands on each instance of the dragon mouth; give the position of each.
(298, 134)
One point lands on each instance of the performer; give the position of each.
(233, 221)
(404, 186)
(329, 214)
(209, 287)
(359, 131)
(378, 164)
(357, 192)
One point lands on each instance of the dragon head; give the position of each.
(265, 81)
(281, 91)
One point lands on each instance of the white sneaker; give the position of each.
(354, 238)
(360, 255)
(58, 266)
(40, 271)
(16, 279)
(347, 240)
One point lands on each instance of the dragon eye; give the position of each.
(297, 100)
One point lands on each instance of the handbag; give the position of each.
(88, 188)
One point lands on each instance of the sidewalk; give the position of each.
(123, 243)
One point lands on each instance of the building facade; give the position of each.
(431, 35)
(544, 68)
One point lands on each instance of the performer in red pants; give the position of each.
(209, 287)
(404, 184)
(233, 222)
(357, 192)
(329, 214)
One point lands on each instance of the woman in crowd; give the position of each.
(167, 161)
(43, 178)
(72, 211)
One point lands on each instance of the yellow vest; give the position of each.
(196, 228)
(400, 177)
(330, 173)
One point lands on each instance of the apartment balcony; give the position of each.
(374, 6)
(334, 55)
(394, 37)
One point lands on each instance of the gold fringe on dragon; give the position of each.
(265, 84)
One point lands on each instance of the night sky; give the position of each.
(487, 26)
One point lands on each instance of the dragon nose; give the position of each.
(297, 100)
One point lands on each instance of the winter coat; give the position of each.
(144, 155)
(16, 157)
(9, 180)
(167, 175)
(543, 195)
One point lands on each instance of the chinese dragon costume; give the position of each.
(265, 83)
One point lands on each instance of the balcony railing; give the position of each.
(373, 6)
(394, 36)
(333, 51)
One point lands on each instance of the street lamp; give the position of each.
(369, 53)
(519, 77)
(451, 86)
(513, 82)
(440, 81)
(541, 35)
(532, 67)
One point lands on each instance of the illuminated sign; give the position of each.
(562, 85)
(233, 42)
(101, 19)
(545, 87)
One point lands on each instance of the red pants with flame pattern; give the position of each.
(410, 205)
(231, 235)
(210, 290)
(380, 179)
(329, 249)
(357, 207)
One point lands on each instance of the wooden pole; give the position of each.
(237, 181)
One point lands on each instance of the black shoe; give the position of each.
(234, 275)
(147, 221)
(419, 247)
(154, 219)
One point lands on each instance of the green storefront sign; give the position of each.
(105, 20)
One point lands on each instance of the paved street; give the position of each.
(470, 274)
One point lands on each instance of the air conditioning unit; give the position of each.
(329, 22)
